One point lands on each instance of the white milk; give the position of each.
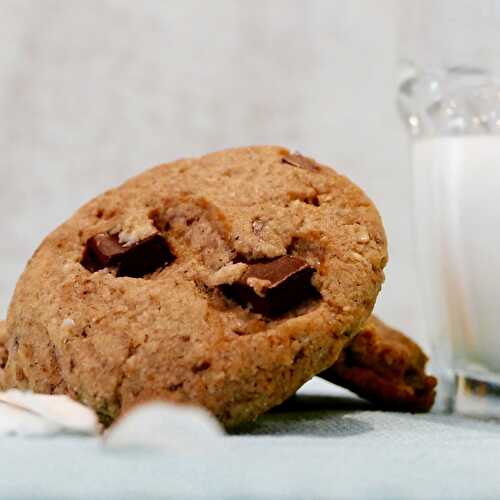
(457, 190)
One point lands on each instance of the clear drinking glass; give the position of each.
(449, 99)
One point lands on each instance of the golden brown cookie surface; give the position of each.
(386, 367)
(171, 286)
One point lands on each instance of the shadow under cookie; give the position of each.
(311, 415)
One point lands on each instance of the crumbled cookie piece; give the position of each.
(227, 275)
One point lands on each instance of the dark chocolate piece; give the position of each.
(297, 160)
(136, 260)
(102, 250)
(145, 257)
(289, 283)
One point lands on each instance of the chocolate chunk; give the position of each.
(136, 260)
(297, 160)
(145, 256)
(274, 286)
(102, 250)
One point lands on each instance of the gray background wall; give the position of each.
(92, 92)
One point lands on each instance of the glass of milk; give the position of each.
(449, 99)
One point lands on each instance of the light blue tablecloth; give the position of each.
(322, 446)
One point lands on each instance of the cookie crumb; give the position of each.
(136, 228)
(259, 286)
(357, 256)
(363, 236)
(257, 226)
(227, 275)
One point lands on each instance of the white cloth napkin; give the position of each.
(151, 425)
(29, 414)
(164, 426)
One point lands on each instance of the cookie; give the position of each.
(226, 281)
(385, 367)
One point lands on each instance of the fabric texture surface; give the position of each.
(324, 444)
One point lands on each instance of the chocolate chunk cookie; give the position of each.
(226, 281)
(386, 367)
